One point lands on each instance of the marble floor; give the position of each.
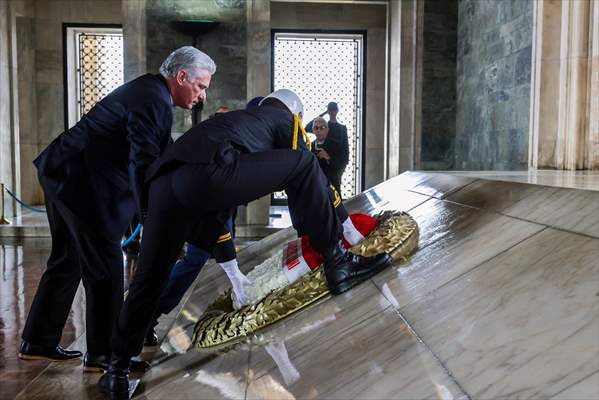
(22, 263)
(501, 300)
(35, 224)
(588, 180)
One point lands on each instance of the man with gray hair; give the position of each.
(331, 150)
(332, 145)
(93, 177)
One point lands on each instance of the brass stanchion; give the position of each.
(3, 220)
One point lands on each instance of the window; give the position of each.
(320, 68)
(94, 58)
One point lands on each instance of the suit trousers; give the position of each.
(78, 253)
(179, 198)
(184, 273)
(182, 276)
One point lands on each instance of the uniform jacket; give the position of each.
(218, 139)
(96, 168)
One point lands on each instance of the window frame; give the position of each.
(361, 178)
(70, 63)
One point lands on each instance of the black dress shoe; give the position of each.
(114, 385)
(151, 338)
(344, 269)
(29, 351)
(100, 364)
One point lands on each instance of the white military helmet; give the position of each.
(288, 97)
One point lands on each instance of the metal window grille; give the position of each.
(99, 67)
(321, 68)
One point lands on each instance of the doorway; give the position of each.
(325, 66)
(94, 66)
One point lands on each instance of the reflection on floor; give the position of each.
(588, 180)
(35, 224)
(500, 301)
(21, 266)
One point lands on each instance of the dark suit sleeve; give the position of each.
(337, 146)
(145, 128)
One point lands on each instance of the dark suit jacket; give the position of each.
(218, 139)
(96, 168)
(336, 144)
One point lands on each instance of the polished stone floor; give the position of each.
(501, 300)
(22, 263)
(588, 180)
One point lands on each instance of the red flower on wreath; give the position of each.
(364, 223)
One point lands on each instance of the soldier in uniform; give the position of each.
(93, 179)
(225, 161)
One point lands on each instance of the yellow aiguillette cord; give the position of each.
(297, 125)
(295, 129)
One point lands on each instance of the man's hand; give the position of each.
(322, 153)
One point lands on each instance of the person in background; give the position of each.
(333, 147)
(331, 154)
(220, 110)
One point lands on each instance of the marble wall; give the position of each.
(134, 38)
(493, 84)
(593, 133)
(9, 154)
(439, 46)
(226, 45)
(39, 45)
(372, 18)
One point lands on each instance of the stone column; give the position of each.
(563, 129)
(27, 29)
(393, 73)
(134, 38)
(258, 48)
(9, 123)
(405, 70)
(258, 84)
(592, 155)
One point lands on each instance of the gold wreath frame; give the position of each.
(396, 234)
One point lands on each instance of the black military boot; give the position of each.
(344, 269)
(115, 383)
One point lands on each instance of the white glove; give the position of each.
(238, 280)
